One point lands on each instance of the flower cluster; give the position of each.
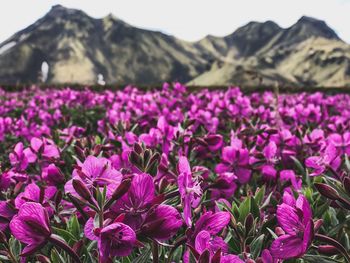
(172, 175)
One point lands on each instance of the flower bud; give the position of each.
(327, 191)
(317, 224)
(97, 149)
(119, 192)
(81, 189)
(122, 189)
(79, 152)
(328, 250)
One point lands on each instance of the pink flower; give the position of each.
(235, 159)
(18, 159)
(31, 226)
(95, 172)
(329, 158)
(52, 175)
(33, 193)
(341, 141)
(289, 175)
(271, 158)
(137, 201)
(295, 218)
(161, 222)
(46, 148)
(189, 188)
(116, 239)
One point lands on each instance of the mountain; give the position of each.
(308, 53)
(78, 48)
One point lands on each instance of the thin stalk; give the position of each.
(155, 252)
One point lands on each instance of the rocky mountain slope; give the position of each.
(78, 48)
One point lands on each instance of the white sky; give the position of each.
(186, 19)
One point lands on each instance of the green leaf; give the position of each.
(259, 195)
(254, 209)
(235, 210)
(347, 162)
(319, 259)
(67, 236)
(143, 257)
(299, 165)
(98, 139)
(273, 234)
(56, 257)
(73, 227)
(244, 209)
(15, 247)
(267, 201)
(256, 246)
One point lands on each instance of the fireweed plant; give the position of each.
(170, 175)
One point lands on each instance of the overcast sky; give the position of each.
(186, 19)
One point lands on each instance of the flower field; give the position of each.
(168, 175)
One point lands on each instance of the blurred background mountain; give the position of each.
(69, 46)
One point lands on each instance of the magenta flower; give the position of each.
(204, 236)
(33, 193)
(295, 218)
(161, 222)
(52, 175)
(31, 226)
(95, 172)
(137, 201)
(329, 158)
(224, 186)
(209, 144)
(46, 148)
(204, 241)
(189, 188)
(18, 159)
(341, 141)
(212, 222)
(116, 239)
(289, 176)
(163, 135)
(235, 159)
(271, 158)
(315, 140)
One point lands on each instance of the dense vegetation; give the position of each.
(168, 175)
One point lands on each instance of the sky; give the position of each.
(186, 19)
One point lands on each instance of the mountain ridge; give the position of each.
(78, 48)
